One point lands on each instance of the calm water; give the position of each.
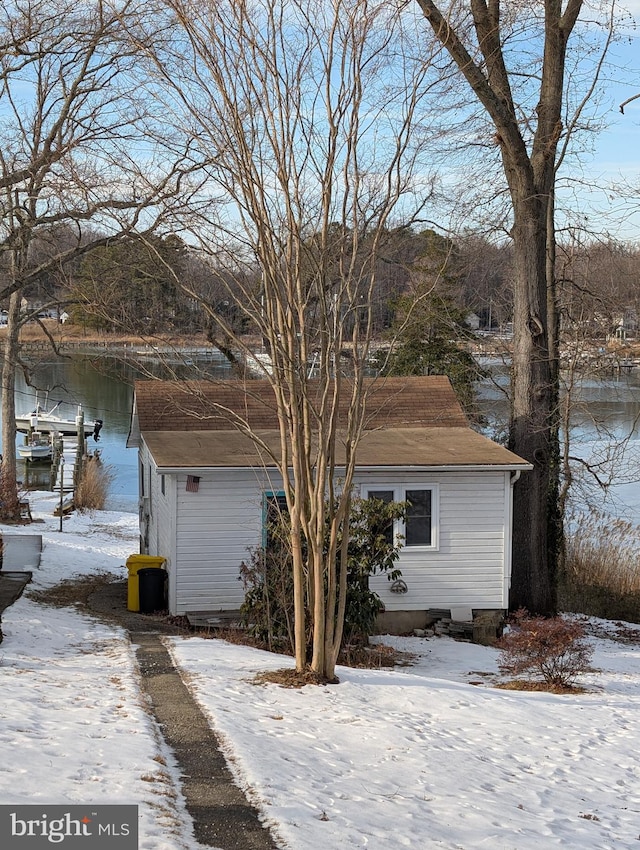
(605, 431)
(104, 387)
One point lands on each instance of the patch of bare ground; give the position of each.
(365, 657)
(372, 657)
(290, 678)
(529, 685)
(614, 630)
(72, 591)
(103, 594)
(76, 334)
(375, 656)
(351, 655)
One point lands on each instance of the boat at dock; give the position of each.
(38, 447)
(48, 422)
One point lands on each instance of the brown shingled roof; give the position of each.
(423, 448)
(415, 422)
(425, 401)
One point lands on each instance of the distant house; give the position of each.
(205, 486)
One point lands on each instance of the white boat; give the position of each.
(48, 421)
(38, 448)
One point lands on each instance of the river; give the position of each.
(605, 412)
(605, 432)
(103, 385)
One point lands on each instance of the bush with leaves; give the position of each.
(267, 578)
(372, 550)
(553, 648)
(267, 611)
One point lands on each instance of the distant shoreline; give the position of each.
(73, 336)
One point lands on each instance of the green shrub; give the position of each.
(267, 610)
(267, 575)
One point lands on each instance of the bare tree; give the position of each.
(513, 58)
(302, 113)
(71, 156)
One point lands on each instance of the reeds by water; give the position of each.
(601, 574)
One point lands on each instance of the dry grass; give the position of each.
(605, 552)
(93, 488)
(602, 569)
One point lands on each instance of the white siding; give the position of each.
(160, 529)
(161, 521)
(216, 527)
(206, 535)
(468, 567)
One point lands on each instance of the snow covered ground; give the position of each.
(424, 756)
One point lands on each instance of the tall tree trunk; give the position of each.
(531, 429)
(9, 502)
(528, 158)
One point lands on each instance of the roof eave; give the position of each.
(445, 467)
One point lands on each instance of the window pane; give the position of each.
(418, 522)
(275, 505)
(385, 496)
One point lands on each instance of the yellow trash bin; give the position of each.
(134, 564)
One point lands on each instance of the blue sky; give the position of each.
(616, 157)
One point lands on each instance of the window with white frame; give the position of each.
(420, 527)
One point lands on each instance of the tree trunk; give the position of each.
(529, 168)
(532, 412)
(300, 630)
(10, 508)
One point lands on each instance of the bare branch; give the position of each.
(627, 101)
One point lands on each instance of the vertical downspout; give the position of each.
(508, 534)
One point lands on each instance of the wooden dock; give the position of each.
(67, 457)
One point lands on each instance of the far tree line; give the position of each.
(133, 285)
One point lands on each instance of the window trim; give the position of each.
(399, 526)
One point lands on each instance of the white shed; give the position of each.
(203, 485)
